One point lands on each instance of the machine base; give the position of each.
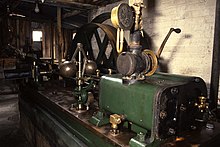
(47, 121)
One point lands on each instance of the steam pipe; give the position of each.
(120, 40)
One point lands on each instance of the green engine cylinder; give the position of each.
(158, 104)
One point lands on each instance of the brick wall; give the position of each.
(187, 53)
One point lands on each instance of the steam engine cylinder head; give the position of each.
(129, 63)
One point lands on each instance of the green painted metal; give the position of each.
(138, 141)
(83, 92)
(99, 119)
(134, 101)
(172, 77)
(137, 101)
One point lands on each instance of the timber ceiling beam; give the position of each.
(76, 3)
(70, 14)
(33, 16)
(71, 4)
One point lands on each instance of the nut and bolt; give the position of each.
(210, 126)
(174, 91)
(141, 136)
(182, 108)
(172, 131)
(163, 114)
(197, 80)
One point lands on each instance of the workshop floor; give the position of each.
(12, 137)
(10, 134)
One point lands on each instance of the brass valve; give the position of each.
(115, 120)
(97, 72)
(202, 104)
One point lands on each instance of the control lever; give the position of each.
(177, 30)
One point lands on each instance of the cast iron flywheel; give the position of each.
(99, 43)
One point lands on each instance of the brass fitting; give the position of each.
(115, 120)
(97, 72)
(110, 71)
(202, 104)
(137, 6)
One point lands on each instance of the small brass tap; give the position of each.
(115, 120)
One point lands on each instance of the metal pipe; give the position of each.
(80, 63)
(120, 40)
(79, 46)
(214, 84)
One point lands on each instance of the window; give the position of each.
(37, 35)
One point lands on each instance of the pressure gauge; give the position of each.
(122, 17)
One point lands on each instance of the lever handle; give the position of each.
(177, 30)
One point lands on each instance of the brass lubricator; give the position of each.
(115, 120)
(202, 103)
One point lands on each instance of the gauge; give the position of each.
(122, 17)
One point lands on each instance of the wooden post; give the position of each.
(17, 34)
(60, 55)
(51, 42)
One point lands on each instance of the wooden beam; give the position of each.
(17, 34)
(59, 35)
(51, 42)
(33, 16)
(65, 4)
(74, 2)
(72, 13)
(71, 25)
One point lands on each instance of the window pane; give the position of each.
(37, 35)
